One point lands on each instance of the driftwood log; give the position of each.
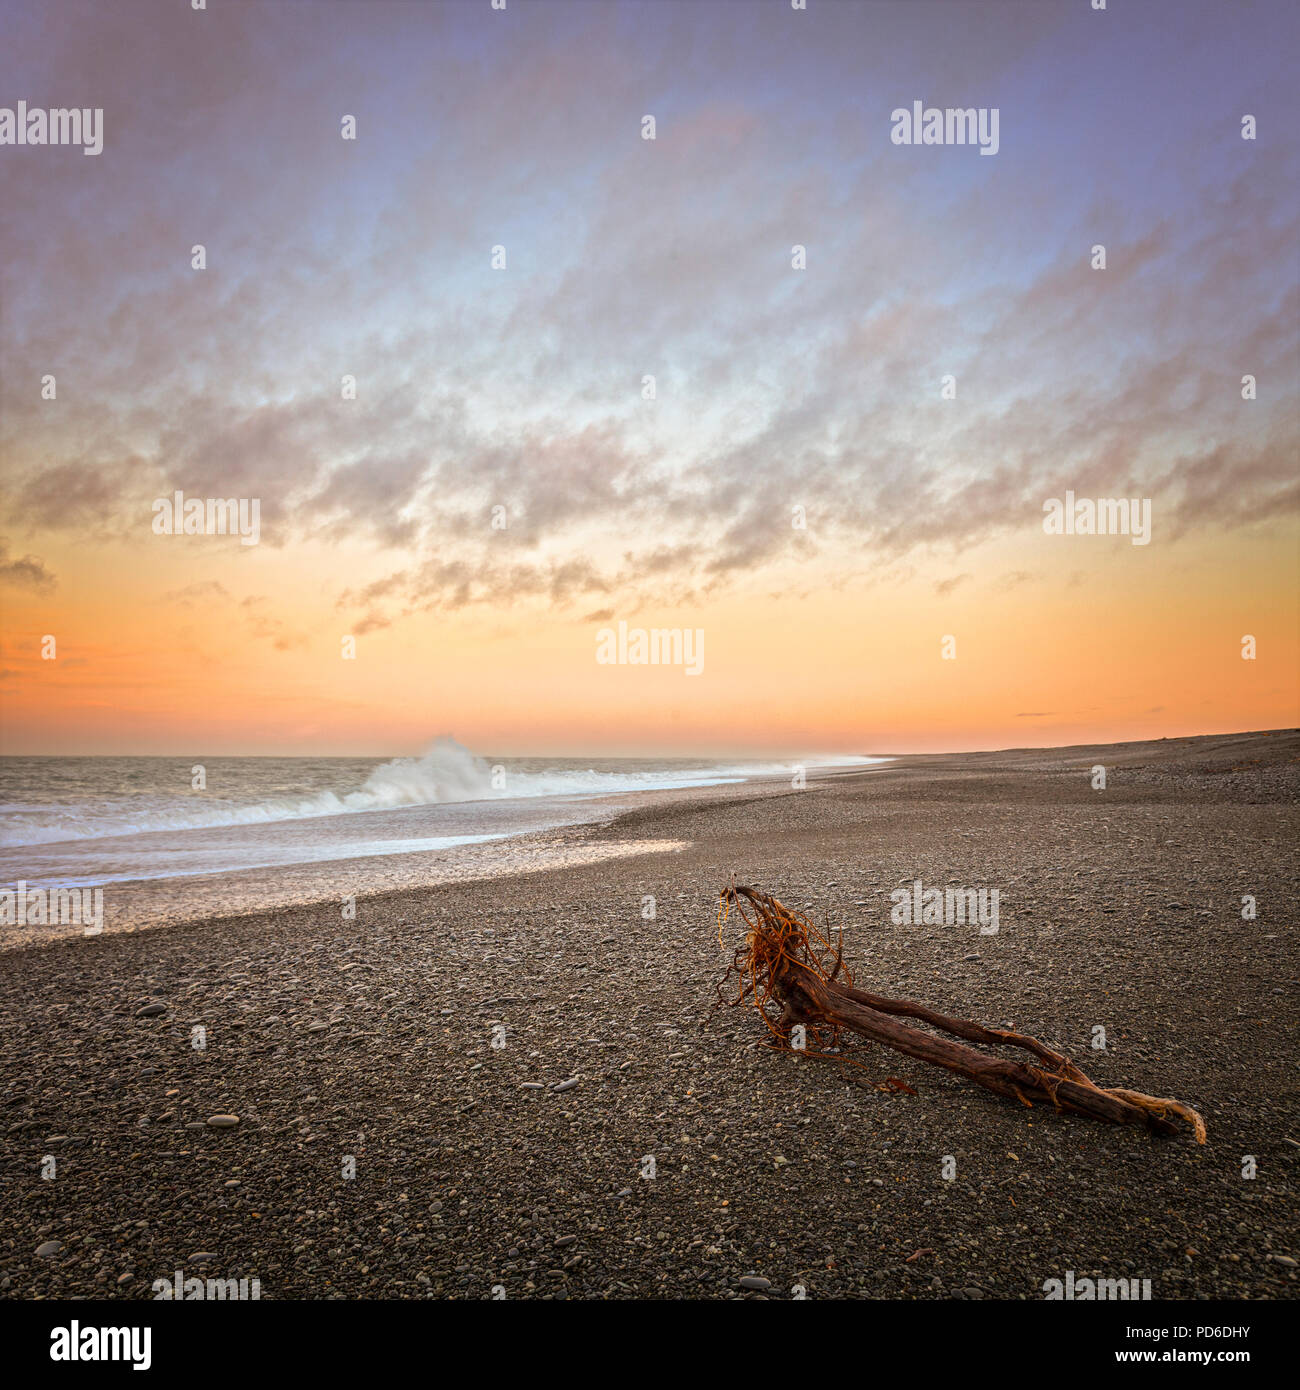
(788, 971)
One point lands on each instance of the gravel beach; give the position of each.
(523, 1170)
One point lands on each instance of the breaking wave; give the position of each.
(448, 772)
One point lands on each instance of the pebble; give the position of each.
(51, 1247)
(514, 1181)
(150, 1010)
(223, 1121)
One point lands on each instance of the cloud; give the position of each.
(29, 572)
(523, 389)
(196, 592)
(943, 587)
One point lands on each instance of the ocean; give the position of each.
(165, 842)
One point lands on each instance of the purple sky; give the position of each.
(628, 257)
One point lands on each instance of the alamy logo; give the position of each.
(1102, 516)
(656, 646)
(1075, 1290)
(953, 125)
(61, 126)
(179, 1289)
(179, 515)
(77, 1343)
(952, 907)
(21, 906)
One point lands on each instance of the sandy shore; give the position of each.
(478, 1166)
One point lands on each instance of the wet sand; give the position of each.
(373, 1039)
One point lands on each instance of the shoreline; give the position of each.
(150, 904)
(373, 1039)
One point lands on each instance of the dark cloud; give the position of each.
(523, 389)
(29, 572)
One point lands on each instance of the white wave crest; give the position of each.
(448, 772)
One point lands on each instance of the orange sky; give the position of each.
(1106, 642)
(446, 270)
